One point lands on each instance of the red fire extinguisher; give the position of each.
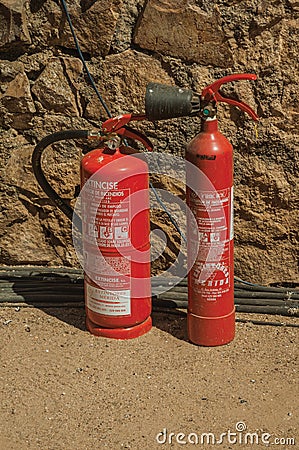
(211, 312)
(115, 228)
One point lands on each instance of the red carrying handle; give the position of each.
(119, 126)
(211, 92)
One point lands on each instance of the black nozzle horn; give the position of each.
(168, 102)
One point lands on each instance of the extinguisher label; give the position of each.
(107, 217)
(108, 271)
(107, 302)
(213, 211)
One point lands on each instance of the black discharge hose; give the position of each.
(39, 175)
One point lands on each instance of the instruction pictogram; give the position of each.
(106, 233)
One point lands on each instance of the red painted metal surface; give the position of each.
(211, 312)
(116, 228)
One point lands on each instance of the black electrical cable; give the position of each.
(65, 300)
(42, 305)
(291, 295)
(40, 286)
(22, 287)
(23, 271)
(44, 291)
(271, 324)
(174, 285)
(260, 288)
(245, 282)
(255, 298)
(83, 59)
(240, 287)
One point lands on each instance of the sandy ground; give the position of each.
(62, 388)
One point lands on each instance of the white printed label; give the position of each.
(109, 303)
(210, 273)
(109, 269)
(107, 216)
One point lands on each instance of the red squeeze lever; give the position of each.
(119, 126)
(211, 92)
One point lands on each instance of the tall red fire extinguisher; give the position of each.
(115, 228)
(211, 312)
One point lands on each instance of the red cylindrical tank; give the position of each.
(209, 180)
(211, 312)
(115, 229)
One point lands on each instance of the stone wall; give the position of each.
(127, 44)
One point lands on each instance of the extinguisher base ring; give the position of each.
(211, 331)
(120, 333)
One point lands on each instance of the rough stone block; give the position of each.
(55, 89)
(123, 78)
(94, 23)
(17, 97)
(13, 28)
(183, 30)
